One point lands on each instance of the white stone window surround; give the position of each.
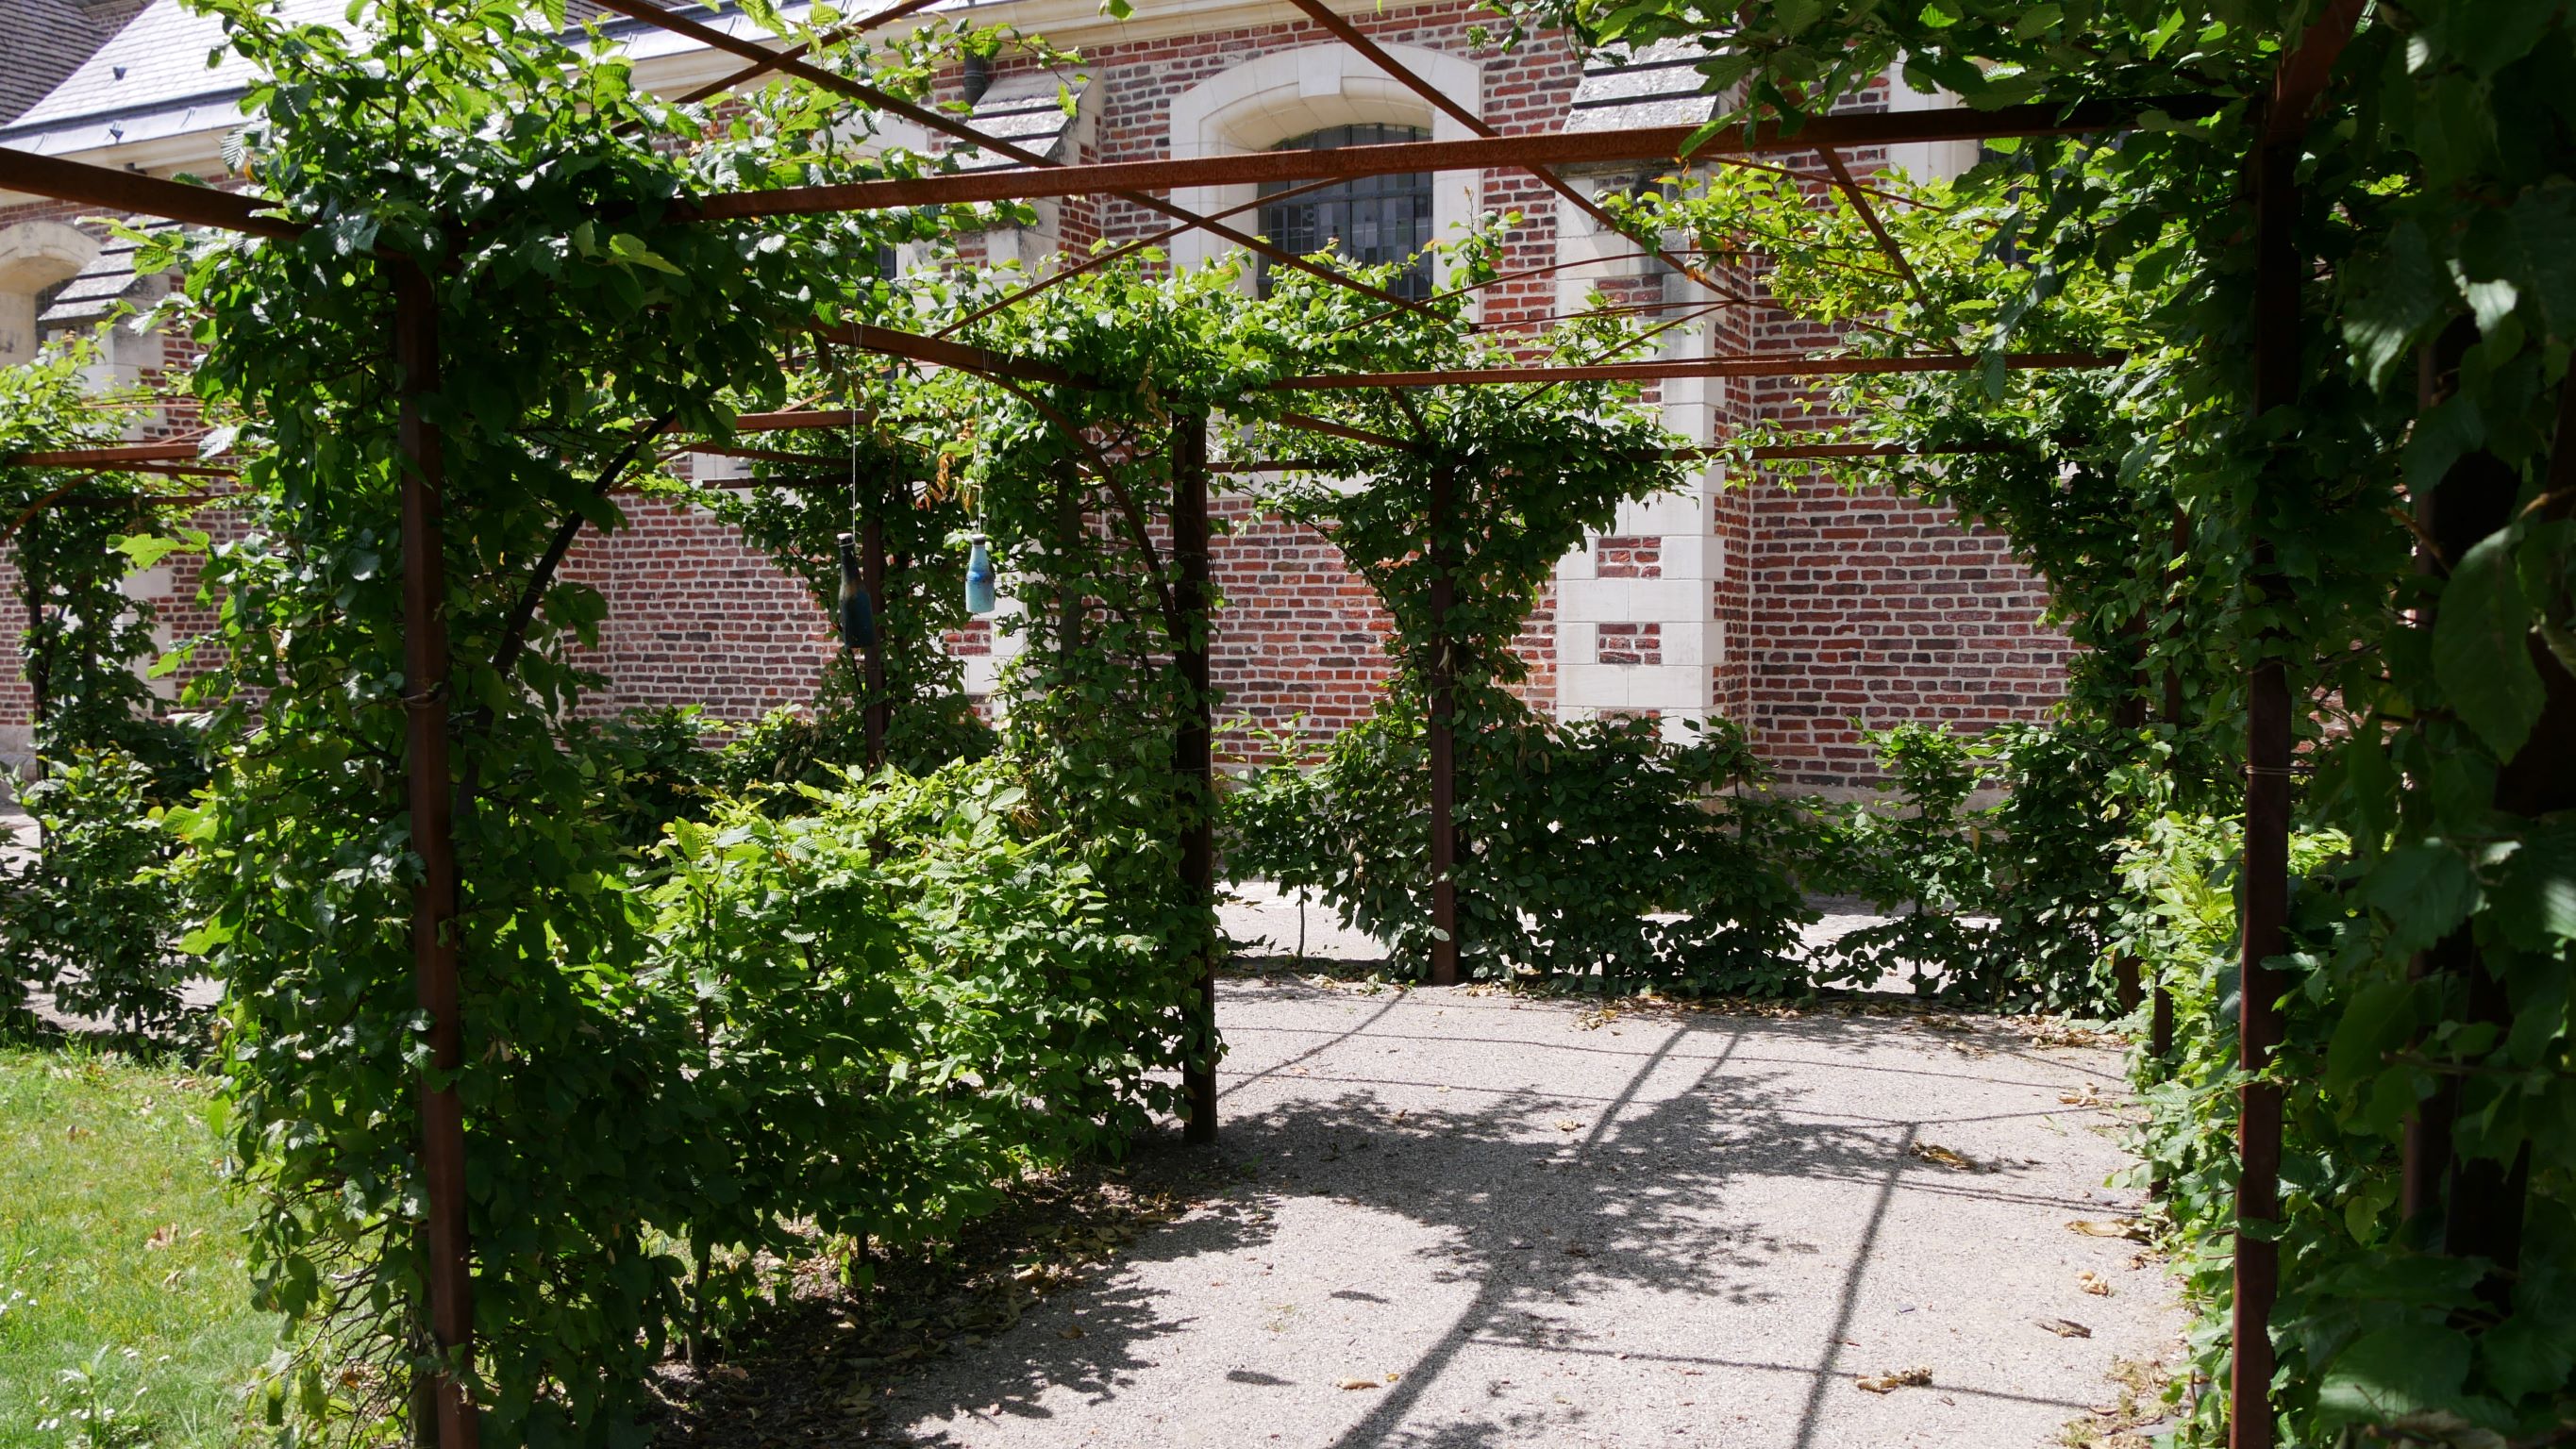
(1290, 93)
(35, 255)
(1925, 160)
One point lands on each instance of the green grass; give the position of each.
(118, 1245)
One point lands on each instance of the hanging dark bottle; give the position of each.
(858, 614)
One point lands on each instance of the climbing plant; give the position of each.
(884, 484)
(1080, 486)
(91, 913)
(2389, 525)
(475, 155)
(1455, 505)
(2072, 467)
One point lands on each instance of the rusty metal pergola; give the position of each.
(2302, 75)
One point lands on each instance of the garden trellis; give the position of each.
(429, 668)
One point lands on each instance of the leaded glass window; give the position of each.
(1370, 220)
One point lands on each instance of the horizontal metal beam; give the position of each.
(757, 455)
(913, 347)
(1332, 429)
(110, 456)
(1574, 148)
(105, 456)
(652, 13)
(1777, 453)
(1751, 365)
(793, 420)
(134, 193)
(1789, 451)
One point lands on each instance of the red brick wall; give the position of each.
(1876, 608)
(697, 617)
(1846, 610)
(1301, 638)
(1833, 606)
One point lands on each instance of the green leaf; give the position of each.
(2424, 888)
(2373, 1021)
(2522, 1358)
(2395, 296)
(146, 549)
(2544, 222)
(2481, 657)
(631, 249)
(2533, 902)
(2037, 20)
(2392, 1372)
(2371, 783)
(2441, 437)
(217, 442)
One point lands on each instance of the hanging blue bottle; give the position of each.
(980, 600)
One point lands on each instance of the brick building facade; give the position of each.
(1793, 610)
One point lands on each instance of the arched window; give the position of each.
(1370, 220)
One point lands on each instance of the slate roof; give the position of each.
(107, 280)
(1658, 86)
(48, 40)
(1026, 108)
(150, 81)
(154, 80)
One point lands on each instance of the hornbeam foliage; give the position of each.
(2399, 535)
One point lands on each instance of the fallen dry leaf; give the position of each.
(1073, 1332)
(2064, 1327)
(2129, 1228)
(1891, 1381)
(1357, 1384)
(1569, 1126)
(2086, 1097)
(2046, 1033)
(162, 1237)
(2093, 1283)
(1940, 1156)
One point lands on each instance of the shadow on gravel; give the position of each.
(1536, 1219)
(1539, 1202)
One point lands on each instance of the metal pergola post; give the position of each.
(2265, 871)
(1441, 727)
(435, 898)
(877, 716)
(2264, 902)
(1193, 761)
(1068, 528)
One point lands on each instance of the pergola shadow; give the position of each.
(1530, 1221)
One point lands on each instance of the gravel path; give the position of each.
(1469, 1220)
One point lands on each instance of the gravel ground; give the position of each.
(1464, 1219)
(1280, 927)
(1460, 1219)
